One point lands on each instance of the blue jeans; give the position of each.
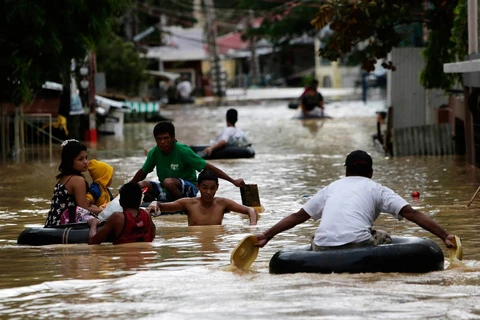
(187, 189)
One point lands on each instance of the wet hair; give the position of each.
(232, 116)
(164, 127)
(207, 175)
(71, 149)
(130, 195)
(359, 163)
(313, 84)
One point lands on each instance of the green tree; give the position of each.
(367, 30)
(120, 61)
(282, 22)
(40, 37)
(378, 24)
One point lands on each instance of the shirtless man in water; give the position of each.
(206, 209)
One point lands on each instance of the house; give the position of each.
(186, 52)
(183, 53)
(465, 107)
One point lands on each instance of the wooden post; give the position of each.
(421, 138)
(473, 198)
(16, 130)
(22, 128)
(388, 138)
(4, 130)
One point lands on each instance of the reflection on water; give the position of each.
(183, 274)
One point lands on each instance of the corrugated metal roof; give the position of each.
(164, 74)
(182, 45)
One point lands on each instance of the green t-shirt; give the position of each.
(182, 163)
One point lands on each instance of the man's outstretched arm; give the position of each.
(284, 224)
(428, 224)
(139, 176)
(236, 207)
(224, 176)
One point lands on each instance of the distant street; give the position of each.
(283, 93)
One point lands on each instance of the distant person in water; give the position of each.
(132, 225)
(206, 209)
(184, 90)
(230, 136)
(312, 104)
(313, 84)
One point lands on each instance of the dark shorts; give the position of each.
(187, 189)
(378, 237)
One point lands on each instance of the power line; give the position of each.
(199, 9)
(202, 41)
(193, 6)
(178, 15)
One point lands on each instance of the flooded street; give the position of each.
(184, 273)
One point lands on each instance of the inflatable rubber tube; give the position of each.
(47, 236)
(405, 254)
(229, 152)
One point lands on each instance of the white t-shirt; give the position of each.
(348, 208)
(184, 88)
(229, 132)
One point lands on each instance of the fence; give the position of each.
(433, 139)
(36, 136)
(142, 110)
(4, 132)
(26, 137)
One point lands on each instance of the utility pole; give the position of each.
(254, 63)
(472, 27)
(161, 27)
(129, 24)
(218, 77)
(91, 134)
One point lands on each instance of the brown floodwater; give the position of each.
(184, 273)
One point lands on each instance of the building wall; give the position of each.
(303, 57)
(191, 68)
(404, 91)
(229, 65)
(349, 76)
(413, 105)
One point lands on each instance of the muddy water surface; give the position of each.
(183, 274)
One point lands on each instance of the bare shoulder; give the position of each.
(224, 201)
(76, 179)
(76, 182)
(116, 221)
(227, 203)
(117, 214)
(116, 217)
(188, 201)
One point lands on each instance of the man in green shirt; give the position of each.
(177, 167)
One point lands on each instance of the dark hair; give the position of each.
(71, 149)
(232, 116)
(313, 84)
(130, 195)
(164, 127)
(207, 175)
(359, 163)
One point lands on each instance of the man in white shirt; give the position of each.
(184, 89)
(230, 136)
(348, 208)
